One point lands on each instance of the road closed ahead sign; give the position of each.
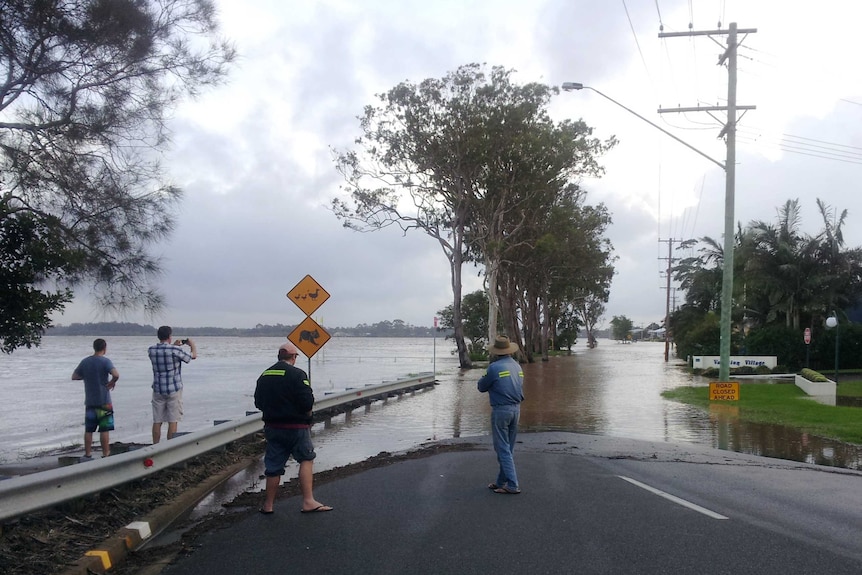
(724, 391)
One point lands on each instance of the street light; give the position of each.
(832, 323)
(727, 271)
(569, 86)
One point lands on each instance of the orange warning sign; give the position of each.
(724, 391)
(309, 337)
(308, 295)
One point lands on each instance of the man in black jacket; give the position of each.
(284, 395)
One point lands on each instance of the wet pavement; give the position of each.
(590, 504)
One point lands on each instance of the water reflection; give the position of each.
(614, 389)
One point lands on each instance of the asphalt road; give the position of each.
(589, 505)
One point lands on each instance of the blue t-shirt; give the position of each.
(96, 372)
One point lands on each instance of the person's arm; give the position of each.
(304, 396)
(77, 373)
(193, 347)
(487, 380)
(115, 375)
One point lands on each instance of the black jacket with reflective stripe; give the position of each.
(283, 393)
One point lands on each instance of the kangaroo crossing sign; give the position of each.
(309, 337)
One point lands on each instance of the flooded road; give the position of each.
(613, 390)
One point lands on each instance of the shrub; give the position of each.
(812, 375)
(711, 372)
(763, 370)
(743, 370)
(783, 342)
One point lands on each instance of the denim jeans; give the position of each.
(504, 424)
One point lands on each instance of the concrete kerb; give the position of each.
(115, 549)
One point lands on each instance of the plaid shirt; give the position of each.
(167, 363)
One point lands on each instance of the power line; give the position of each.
(631, 26)
(804, 145)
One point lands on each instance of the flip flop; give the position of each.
(318, 509)
(507, 491)
(262, 512)
(493, 486)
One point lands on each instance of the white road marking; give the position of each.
(674, 498)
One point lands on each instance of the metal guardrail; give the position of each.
(27, 493)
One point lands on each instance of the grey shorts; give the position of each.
(283, 443)
(167, 408)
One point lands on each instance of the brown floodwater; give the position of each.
(614, 390)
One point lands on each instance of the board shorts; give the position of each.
(281, 444)
(99, 418)
(167, 408)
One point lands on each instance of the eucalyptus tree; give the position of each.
(533, 165)
(474, 307)
(567, 261)
(621, 327)
(459, 158)
(87, 86)
(417, 165)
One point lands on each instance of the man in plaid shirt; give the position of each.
(167, 359)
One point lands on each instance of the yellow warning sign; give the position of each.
(308, 295)
(724, 391)
(309, 337)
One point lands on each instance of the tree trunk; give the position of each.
(456, 262)
(491, 268)
(546, 327)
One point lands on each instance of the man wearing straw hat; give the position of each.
(504, 382)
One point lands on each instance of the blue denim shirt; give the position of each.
(504, 382)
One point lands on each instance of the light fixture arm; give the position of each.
(569, 86)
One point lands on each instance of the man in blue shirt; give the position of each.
(167, 359)
(100, 376)
(504, 382)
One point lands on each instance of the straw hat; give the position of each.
(502, 346)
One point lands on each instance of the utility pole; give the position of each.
(670, 243)
(729, 132)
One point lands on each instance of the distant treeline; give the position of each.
(395, 328)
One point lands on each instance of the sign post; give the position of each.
(434, 360)
(806, 337)
(308, 336)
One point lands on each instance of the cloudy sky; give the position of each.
(254, 156)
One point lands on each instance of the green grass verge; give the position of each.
(783, 404)
(850, 388)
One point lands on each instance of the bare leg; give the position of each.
(157, 432)
(105, 440)
(88, 444)
(172, 429)
(271, 490)
(306, 485)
